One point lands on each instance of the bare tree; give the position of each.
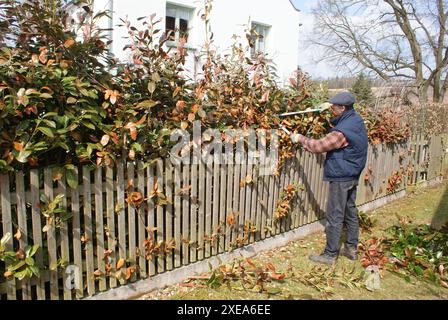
(391, 38)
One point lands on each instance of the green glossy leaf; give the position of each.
(46, 131)
(16, 266)
(72, 179)
(46, 96)
(21, 274)
(50, 123)
(29, 261)
(148, 104)
(89, 125)
(151, 87)
(23, 155)
(35, 270)
(31, 251)
(6, 237)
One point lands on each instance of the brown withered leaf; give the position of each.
(191, 117)
(195, 108)
(20, 254)
(195, 200)
(18, 145)
(132, 130)
(43, 56)
(231, 219)
(130, 184)
(120, 263)
(251, 263)
(277, 276)
(129, 272)
(18, 234)
(136, 199)
(185, 189)
(105, 140)
(118, 208)
(69, 42)
(97, 273)
(270, 266)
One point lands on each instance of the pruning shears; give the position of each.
(320, 108)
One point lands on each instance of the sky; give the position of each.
(317, 69)
(304, 5)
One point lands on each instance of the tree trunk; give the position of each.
(423, 92)
(436, 95)
(443, 90)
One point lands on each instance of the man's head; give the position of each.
(342, 102)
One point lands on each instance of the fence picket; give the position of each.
(22, 226)
(5, 196)
(222, 204)
(266, 196)
(242, 191)
(178, 214)
(111, 234)
(169, 217)
(270, 209)
(150, 215)
(215, 206)
(51, 238)
(235, 199)
(88, 233)
(185, 214)
(248, 202)
(193, 199)
(141, 221)
(160, 224)
(65, 245)
(99, 226)
(120, 211)
(76, 232)
(257, 200)
(208, 207)
(201, 211)
(297, 181)
(228, 226)
(132, 246)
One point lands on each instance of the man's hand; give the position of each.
(295, 137)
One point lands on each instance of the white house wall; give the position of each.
(228, 17)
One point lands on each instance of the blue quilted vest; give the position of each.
(346, 164)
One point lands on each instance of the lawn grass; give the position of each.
(421, 206)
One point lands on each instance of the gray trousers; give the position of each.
(341, 210)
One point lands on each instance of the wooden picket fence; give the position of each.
(209, 211)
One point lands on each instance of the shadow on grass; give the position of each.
(440, 217)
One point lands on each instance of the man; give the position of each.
(346, 146)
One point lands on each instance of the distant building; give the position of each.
(277, 21)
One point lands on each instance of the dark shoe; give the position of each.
(323, 258)
(350, 253)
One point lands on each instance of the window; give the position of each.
(260, 39)
(178, 21)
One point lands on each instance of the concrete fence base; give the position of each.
(377, 203)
